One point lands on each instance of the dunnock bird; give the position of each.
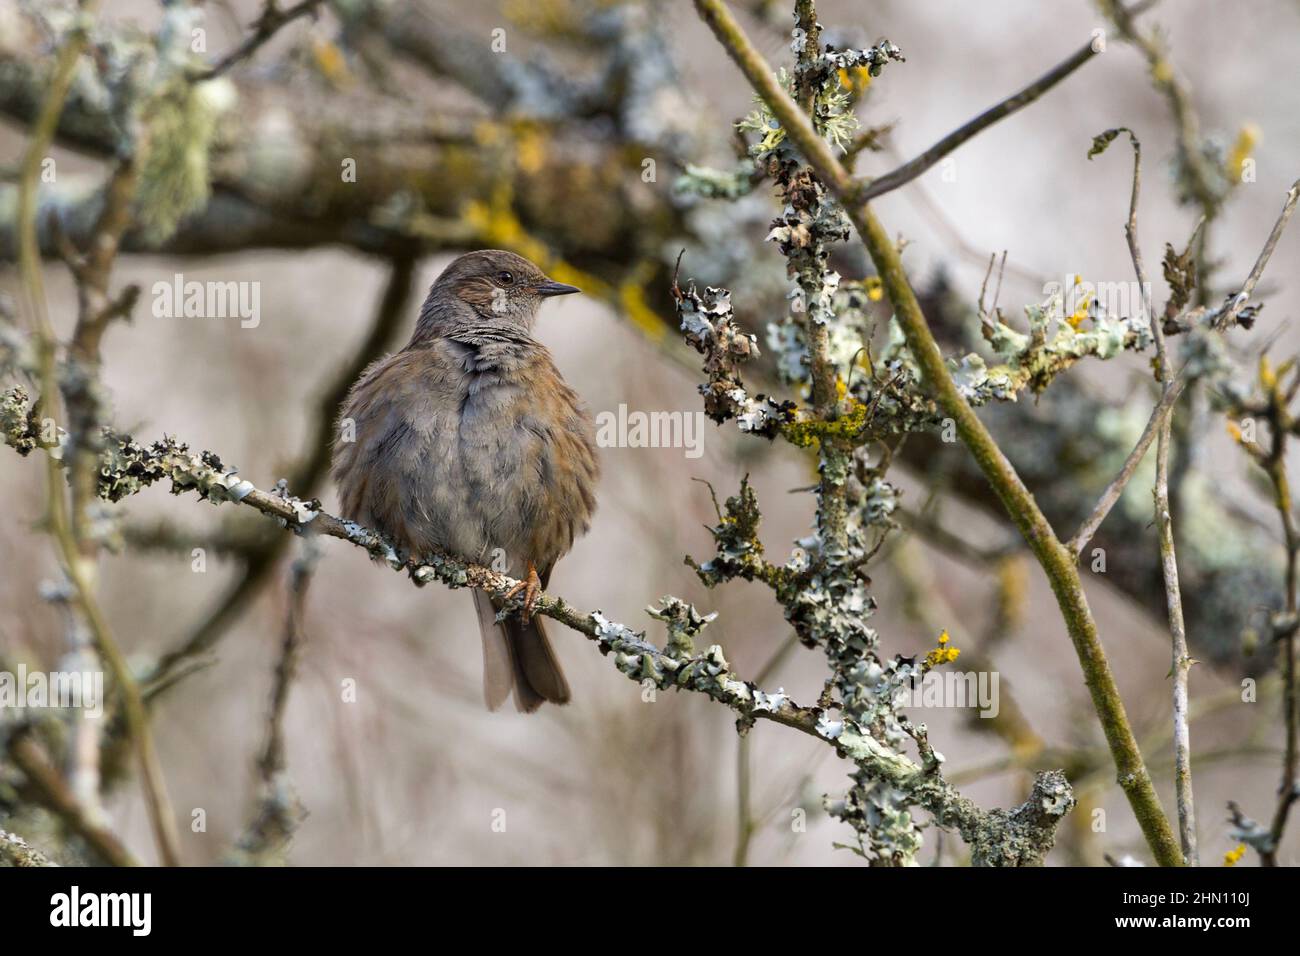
(468, 441)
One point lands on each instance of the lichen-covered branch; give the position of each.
(1057, 562)
(17, 852)
(1022, 835)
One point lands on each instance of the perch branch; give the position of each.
(1023, 835)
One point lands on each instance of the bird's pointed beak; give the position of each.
(550, 287)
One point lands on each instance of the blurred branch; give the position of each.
(278, 810)
(1200, 178)
(72, 532)
(53, 792)
(265, 27)
(15, 851)
(275, 162)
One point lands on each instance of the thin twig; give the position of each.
(1220, 319)
(267, 25)
(1181, 663)
(278, 811)
(1181, 659)
(1017, 101)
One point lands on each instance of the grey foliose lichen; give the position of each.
(825, 596)
(710, 327)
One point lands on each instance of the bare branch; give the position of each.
(1220, 319)
(1017, 101)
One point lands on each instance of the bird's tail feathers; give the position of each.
(518, 656)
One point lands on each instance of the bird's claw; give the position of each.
(531, 585)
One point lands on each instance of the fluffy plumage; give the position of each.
(469, 441)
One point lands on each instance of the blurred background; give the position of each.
(541, 148)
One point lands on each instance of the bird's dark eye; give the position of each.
(506, 278)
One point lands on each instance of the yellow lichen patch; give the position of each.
(855, 80)
(631, 296)
(1242, 147)
(875, 288)
(331, 62)
(806, 434)
(1267, 377)
(943, 654)
(1233, 856)
(530, 150)
(1076, 318)
(1162, 72)
(1234, 430)
(497, 223)
(548, 17)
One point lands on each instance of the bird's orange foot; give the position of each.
(531, 585)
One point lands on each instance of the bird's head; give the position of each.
(501, 289)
